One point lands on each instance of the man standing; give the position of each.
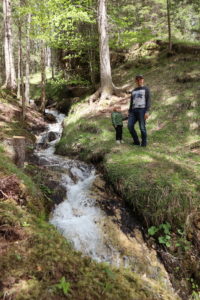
(139, 110)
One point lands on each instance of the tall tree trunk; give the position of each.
(169, 25)
(27, 83)
(92, 57)
(48, 57)
(10, 82)
(43, 78)
(52, 65)
(92, 66)
(22, 72)
(18, 75)
(105, 67)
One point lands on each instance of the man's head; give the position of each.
(139, 80)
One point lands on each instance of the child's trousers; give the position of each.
(118, 129)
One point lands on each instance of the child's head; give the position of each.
(117, 108)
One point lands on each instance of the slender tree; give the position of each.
(52, 64)
(43, 77)
(21, 64)
(105, 67)
(10, 82)
(27, 82)
(18, 74)
(169, 25)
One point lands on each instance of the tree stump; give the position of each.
(19, 148)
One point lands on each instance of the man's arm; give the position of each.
(131, 103)
(148, 100)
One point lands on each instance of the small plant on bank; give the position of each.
(195, 295)
(63, 285)
(182, 242)
(195, 289)
(164, 234)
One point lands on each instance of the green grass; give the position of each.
(36, 77)
(162, 182)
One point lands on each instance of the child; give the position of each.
(117, 121)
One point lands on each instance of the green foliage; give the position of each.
(164, 236)
(56, 22)
(139, 22)
(182, 241)
(195, 295)
(128, 38)
(45, 189)
(153, 230)
(63, 285)
(162, 229)
(58, 89)
(195, 289)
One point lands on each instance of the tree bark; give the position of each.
(10, 82)
(169, 25)
(105, 67)
(18, 75)
(52, 65)
(43, 78)
(21, 72)
(27, 82)
(19, 144)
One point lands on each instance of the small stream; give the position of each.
(78, 217)
(81, 220)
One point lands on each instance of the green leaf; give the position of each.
(166, 227)
(152, 230)
(63, 285)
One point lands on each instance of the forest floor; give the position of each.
(160, 182)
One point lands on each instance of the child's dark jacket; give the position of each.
(117, 118)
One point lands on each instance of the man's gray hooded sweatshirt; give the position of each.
(140, 98)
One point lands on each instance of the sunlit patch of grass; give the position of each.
(36, 77)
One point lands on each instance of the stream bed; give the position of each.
(104, 235)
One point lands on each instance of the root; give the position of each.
(94, 97)
(120, 92)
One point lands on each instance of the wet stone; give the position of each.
(52, 136)
(50, 118)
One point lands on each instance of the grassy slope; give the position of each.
(38, 263)
(162, 181)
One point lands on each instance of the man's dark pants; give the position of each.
(118, 129)
(138, 115)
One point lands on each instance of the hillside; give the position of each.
(161, 183)
(36, 261)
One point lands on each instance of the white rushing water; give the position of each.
(78, 217)
(55, 128)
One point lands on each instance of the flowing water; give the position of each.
(78, 217)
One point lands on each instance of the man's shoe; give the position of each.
(122, 142)
(118, 142)
(135, 144)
